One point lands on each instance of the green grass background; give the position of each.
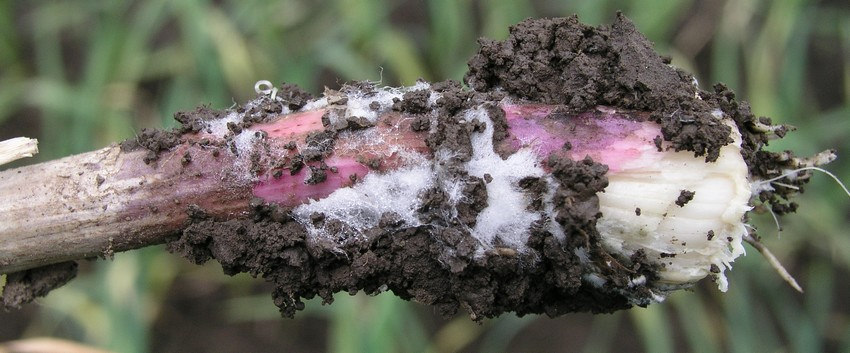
(81, 74)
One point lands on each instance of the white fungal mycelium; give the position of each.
(361, 206)
(506, 215)
(359, 103)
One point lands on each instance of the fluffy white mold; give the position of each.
(506, 215)
(361, 206)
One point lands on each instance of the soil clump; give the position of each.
(25, 286)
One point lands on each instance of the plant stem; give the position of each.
(17, 148)
(96, 203)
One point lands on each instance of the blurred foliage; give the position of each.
(85, 73)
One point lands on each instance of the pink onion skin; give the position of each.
(617, 139)
(292, 190)
(345, 165)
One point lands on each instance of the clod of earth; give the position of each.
(581, 172)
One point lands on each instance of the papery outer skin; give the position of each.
(639, 177)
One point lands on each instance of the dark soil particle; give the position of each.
(535, 188)
(454, 96)
(372, 163)
(234, 127)
(685, 196)
(414, 102)
(637, 211)
(500, 123)
(576, 202)
(451, 134)
(295, 164)
(420, 123)
(473, 202)
(293, 96)
(358, 123)
(194, 121)
(319, 145)
(155, 141)
(317, 175)
(187, 158)
(25, 286)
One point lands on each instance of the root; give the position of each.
(774, 262)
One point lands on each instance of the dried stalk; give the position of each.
(96, 203)
(17, 148)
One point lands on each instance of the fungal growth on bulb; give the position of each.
(579, 171)
(605, 180)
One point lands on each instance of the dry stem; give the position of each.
(96, 203)
(17, 148)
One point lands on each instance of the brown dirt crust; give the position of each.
(433, 265)
(414, 102)
(293, 96)
(25, 286)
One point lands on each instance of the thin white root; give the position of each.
(17, 148)
(803, 164)
(795, 171)
(775, 220)
(774, 262)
